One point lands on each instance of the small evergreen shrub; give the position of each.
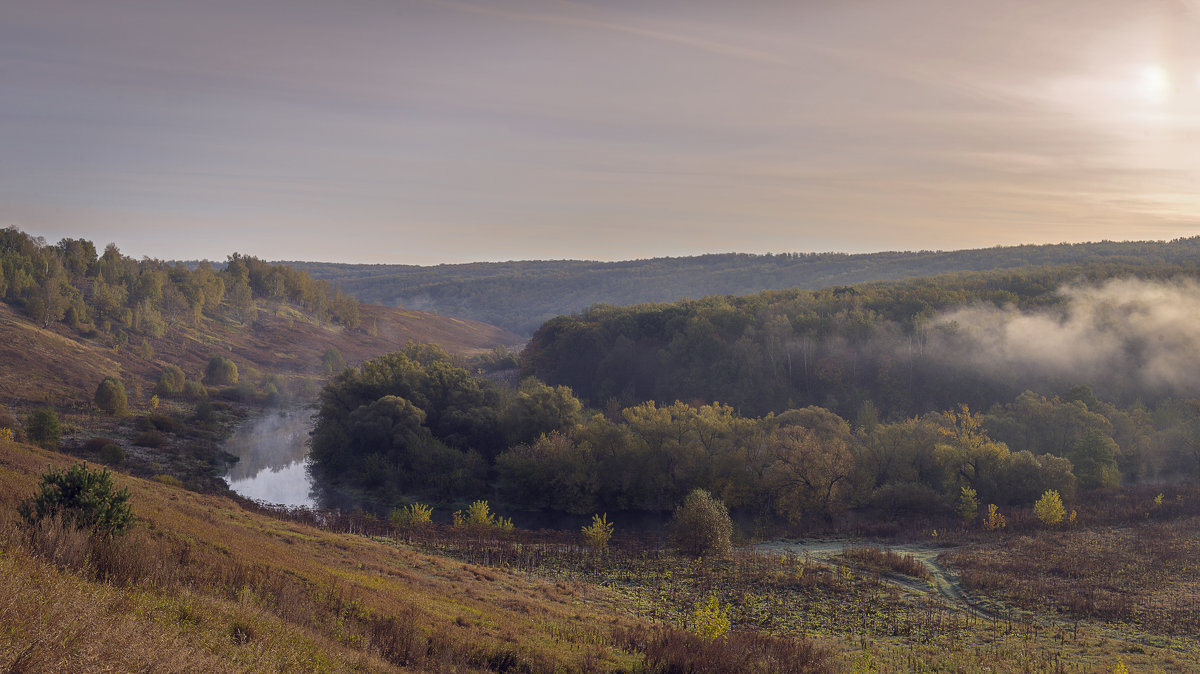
(82, 498)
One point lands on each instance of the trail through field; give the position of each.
(944, 583)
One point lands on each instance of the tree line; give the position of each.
(418, 424)
(838, 348)
(112, 294)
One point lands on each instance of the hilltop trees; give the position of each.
(118, 296)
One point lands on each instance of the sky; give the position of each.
(430, 131)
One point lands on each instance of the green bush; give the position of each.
(414, 515)
(221, 371)
(194, 390)
(170, 382)
(43, 428)
(110, 396)
(112, 454)
(599, 532)
(82, 498)
(701, 526)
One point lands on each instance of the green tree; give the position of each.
(83, 498)
(110, 396)
(44, 428)
(701, 526)
(332, 361)
(221, 371)
(968, 504)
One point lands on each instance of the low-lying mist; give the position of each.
(1126, 338)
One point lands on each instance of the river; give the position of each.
(272, 453)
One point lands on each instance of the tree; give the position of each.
(83, 498)
(701, 526)
(332, 361)
(1049, 508)
(43, 428)
(110, 396)
(811, 464)
(968, 504)
(221, 370)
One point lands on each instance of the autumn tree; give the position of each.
(701, 526)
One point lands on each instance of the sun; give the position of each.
(1154, 84)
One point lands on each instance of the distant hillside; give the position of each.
(69, 317)
(520, 296)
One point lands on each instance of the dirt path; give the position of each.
(944, 583)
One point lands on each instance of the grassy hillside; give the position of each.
(202, 584)
(56, 366)
(520, 296)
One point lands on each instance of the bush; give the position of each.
(415, 515)
(701, 526)
(82, 498)
(112, 454)
(479, 516)
(44, 428)
(152, 439)
(194, 390)
(599, 532)
(169, 480)
(221, 371)
(171, 381)
(110, 396)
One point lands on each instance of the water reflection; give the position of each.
(272, 451)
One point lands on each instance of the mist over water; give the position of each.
(272, 452)
(1126, 338)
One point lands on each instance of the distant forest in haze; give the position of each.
(520, 296)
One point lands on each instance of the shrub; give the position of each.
(221, 371)
(1049, 508)
(152, 439)
(968, 504)
(599, 532)
(169, 480)
(701, 526)
(415, 515)
(82, 498)
(194, 390)
(110, 396)
(994, 520)
(710, 620)
(171, 381)
(112, 454)
(44, 428)
(479, 516)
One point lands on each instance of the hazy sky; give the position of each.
(445, 130)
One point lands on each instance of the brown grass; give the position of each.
(877, 559)
(1147, 576)
(201, 581)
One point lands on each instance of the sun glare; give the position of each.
(1155, 84)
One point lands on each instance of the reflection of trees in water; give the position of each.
(272, 442)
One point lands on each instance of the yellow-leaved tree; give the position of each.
(1049, 508)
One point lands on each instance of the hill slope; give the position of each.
(520, 296)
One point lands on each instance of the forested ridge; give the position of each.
(116, 296)
(521, 295)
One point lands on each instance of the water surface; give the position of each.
(273, 452)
